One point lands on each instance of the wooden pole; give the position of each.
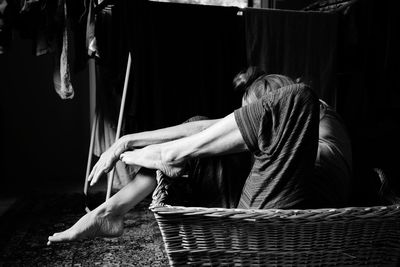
(110, 176)
(93, 119)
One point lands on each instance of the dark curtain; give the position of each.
(184, 60)
(369, 61)
(368, 88)
(294, 43)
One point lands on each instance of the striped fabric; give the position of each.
(281, 130)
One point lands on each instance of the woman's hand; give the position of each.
(221, 138)
(151, 157)
(107, 160)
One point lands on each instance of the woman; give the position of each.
(278, 124)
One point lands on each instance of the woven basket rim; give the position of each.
(366, 212)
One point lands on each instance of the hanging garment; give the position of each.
(5, 33)
(35, 20)
(71, 54)
(45, 23)
(107, 107)
(296, 44)
(104, 134)
(104, 137)
(55, 27)
(111, 58)
(91, 42)
(62, 69)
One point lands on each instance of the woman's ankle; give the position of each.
(107, 210)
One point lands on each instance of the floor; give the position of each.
(27, 221)
(7, 199)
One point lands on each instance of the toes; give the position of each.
(60, 237)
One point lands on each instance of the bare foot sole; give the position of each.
(89, 226)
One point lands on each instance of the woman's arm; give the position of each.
(223, 137)
(142, 139)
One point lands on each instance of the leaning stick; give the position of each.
(110, 176)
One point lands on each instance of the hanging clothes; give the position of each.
(107, 41)
(104, 138)
(62, 70)
(55, 27)
(296, 44)
(91, 42)
(5, 33)
(70, 54)
(107, 104)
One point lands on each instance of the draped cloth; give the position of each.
(295, 43)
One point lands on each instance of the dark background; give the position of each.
(42, 136)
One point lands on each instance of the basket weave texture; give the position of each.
(353, 236)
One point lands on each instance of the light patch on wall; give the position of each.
(237, 3)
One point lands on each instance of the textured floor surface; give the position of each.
(25, 227)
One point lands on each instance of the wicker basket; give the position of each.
(316, 237)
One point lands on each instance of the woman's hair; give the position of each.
(255, 83)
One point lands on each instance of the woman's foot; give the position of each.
(92, 224)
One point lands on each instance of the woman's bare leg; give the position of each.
(107, 219)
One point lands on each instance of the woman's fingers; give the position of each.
(103, 165)
(90, 177)
(125, 157)
(99, 172)
(96, 176)
(95, 170)
(100, 167)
